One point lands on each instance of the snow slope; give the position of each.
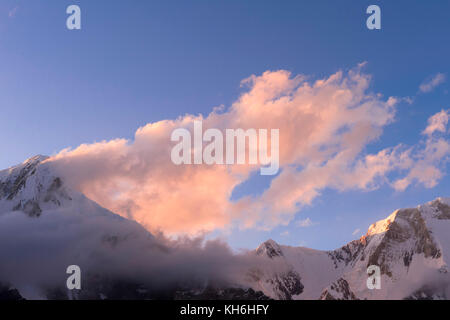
(411, 247)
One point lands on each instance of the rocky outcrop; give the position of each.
(284, 284)
(407, 225)
(211, 293)
(8, 293)
(270, 249)
(339, 290)
(442, 210)
(29, 186)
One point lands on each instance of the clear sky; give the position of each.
(137, 62)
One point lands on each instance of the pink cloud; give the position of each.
(324, 127)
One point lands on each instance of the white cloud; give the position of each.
(408, 100)
(305, 223)
(357, 231)
(34, 253)
(429, 85)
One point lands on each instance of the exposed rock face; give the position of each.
(348, 254)
(338, 290)
(30, 207)
(121, 290)
(31, 185)
(284, 284)
(221, 294)
(270, 249)
(442, 210)
(427, 294)
(8, 293)
(17, 177)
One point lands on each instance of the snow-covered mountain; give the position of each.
(411, 248)
(46, 226)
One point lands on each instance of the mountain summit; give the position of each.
(411, 247)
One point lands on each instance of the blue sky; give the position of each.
(136, 62)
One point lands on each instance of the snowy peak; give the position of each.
(270, 249)
(382, 225)
(338, 290)
(437, 209)
(400, 237)
(411, 247)
(36, 159)
(31, 187)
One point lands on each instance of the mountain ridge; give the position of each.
(406, 245)
(411, 247)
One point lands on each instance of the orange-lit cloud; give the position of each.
(324, 128)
